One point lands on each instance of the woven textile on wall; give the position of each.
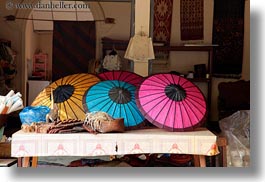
(162, 25)
(162, 20)
(228, 33)
(191, 19)
(74, 45)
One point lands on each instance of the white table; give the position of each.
(199, 143)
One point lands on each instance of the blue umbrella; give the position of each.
(117, 98)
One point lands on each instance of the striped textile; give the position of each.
(74, 44)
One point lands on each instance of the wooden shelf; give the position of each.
(7, 162)
(199, 79)
(109, 43)
(183, 48)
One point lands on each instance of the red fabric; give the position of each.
(124, 76)
(162, 20)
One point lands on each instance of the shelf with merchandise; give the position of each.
(8, 69)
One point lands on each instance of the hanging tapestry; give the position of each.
(162, 20)
(191, 19)
(162, 25)
(74, 46)
(228, 33)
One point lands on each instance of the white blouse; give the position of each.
(112, 62)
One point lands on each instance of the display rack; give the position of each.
(40, 65)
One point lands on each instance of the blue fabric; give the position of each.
(31, 114)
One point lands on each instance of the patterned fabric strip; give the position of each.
(228, 33)
(191, 19)
(162, 20)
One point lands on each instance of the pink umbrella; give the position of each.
(171, 102)
(125, 76)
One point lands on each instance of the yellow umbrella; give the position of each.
(67, 94)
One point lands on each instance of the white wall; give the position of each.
(184, 61)
(32, 43)
(246, 54)
(121, 12)
(45, 46)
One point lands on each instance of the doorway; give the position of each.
(54, 36)
(73, 47)
(32, 40)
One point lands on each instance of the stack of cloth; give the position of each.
(65, 126)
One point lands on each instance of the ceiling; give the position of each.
(50, 10)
